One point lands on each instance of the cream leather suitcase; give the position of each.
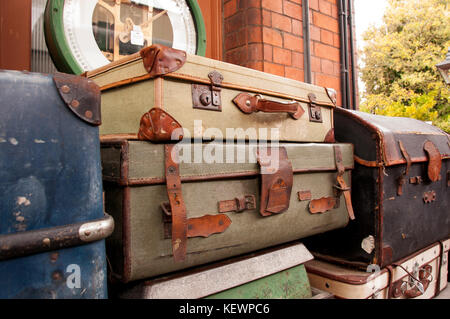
(161, 92)
(422, 276)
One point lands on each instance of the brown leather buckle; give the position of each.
(341, 186)
(276, 180)
(434, 161)
(238, 205)
(174, 213)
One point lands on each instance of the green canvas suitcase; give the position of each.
(275, 273)
(160, 90)
(182, 205)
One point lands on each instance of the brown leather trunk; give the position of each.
(401, 190)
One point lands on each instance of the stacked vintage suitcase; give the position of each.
(194, 174)
(401, 194)
(52, 225)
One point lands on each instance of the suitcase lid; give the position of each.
(379, 139)
(178, 65)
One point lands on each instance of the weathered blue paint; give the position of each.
(50, 175)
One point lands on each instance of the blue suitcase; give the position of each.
(52, 224)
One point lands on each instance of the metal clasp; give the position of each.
(207, 97)
(315, 112)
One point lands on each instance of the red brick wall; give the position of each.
(267, 35)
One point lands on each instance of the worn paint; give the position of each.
(33, 197)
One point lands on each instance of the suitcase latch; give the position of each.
(315, 112)
(207, 97)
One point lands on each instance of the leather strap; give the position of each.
(323, 205)
(276, 180)
(341, 184)
(179, 220)
(402, 179)
(434, 161)
(391, 281)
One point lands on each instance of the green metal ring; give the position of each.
(59, 49)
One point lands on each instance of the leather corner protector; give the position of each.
(329, 138)
(81, 95)
(158, 126)
(159, 60)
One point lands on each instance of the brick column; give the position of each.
(325, 45)
(267, 35)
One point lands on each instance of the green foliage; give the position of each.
(399, 62)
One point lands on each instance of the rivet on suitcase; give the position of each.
(161, 92)
(172, 215)
(401, 190)
(52, 224)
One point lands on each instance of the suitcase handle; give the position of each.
(251, 104)
(30, 242)
(418, 285)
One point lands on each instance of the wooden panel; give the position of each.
(15, 35)
(212, 15)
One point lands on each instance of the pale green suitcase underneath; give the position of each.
(159, 90)
(227, 201)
